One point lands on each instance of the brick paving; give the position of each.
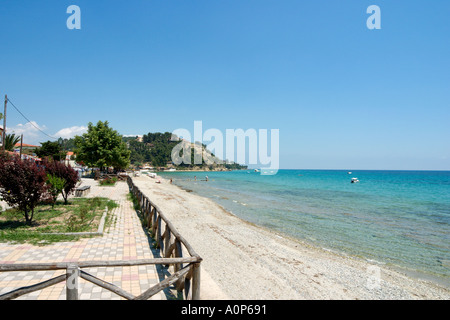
(124, 239)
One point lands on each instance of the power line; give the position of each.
(29, 120)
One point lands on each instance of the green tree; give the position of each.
(55, 186)
(102, 147)
(10, 141)
(51, 149)
(67, 144)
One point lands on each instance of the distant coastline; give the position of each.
(200, 170)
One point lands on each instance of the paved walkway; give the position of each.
(124, 240)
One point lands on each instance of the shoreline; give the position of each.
(275, 265)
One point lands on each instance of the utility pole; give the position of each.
(21, 142)
(4, 124)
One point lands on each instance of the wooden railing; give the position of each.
(185, 271)
(169, 242)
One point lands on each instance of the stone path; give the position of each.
(123, 240)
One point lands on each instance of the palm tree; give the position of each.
(10, 141)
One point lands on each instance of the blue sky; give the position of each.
(342, 96)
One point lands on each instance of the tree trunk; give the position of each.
(28, 219)
(65, 196)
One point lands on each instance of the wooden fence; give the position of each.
(185, 270)
(169, 242)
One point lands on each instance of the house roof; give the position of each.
(25, 145)
(24, 156)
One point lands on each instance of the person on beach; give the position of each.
(206, 178)
(195, 178)
(170, 180)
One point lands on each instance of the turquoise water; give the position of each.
(400, 218)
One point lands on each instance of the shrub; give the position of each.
(66, 172)
(108, 181)
(22, 184)
(55, 186)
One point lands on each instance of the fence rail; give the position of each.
(186, 269)
(169, 242)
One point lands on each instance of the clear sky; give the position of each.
(342, 96)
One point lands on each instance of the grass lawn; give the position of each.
(79, 215)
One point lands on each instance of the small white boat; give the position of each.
(256, 170)
(354, 180)
(349, 172)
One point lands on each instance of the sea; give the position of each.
(395, 218)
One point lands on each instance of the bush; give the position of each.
(55, 186)
(108, 181)
(62, 171)
(22, 184)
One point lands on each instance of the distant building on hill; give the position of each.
(70, 159)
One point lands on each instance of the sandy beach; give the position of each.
(244, 261)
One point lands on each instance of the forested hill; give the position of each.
(156, 148)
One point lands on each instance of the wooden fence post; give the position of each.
(167, 242)
(154, 217)
(72, 282)
(196, 282)
(150, 216)
(159, 236)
